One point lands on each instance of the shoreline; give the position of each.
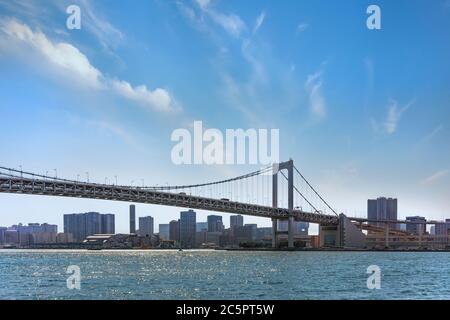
(235, 249)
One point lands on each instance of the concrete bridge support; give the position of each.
(276, 168)
(386, 238)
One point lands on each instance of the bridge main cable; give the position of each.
(248, 175)
(245, 176)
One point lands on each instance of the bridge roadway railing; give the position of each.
(48, 187)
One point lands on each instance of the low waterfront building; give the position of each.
(2, 235)
(416, 226)
(64, 238)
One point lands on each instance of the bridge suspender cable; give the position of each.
(304, 198)
(315, 191)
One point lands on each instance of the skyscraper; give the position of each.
(81, 225)
(164, 231)
(201, 226)
(93, 223)
(236, 221)
(75, 223)
(174, 230)
(132, 218)
(108, 223)
(187, 228)
(215, 223)
(146, 226)
(382, 209)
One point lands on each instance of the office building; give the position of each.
(108, 224)
(283, 225)
(2, 235)
(93, 223)
(64, 238)
(382, 209)
(264, 233)
(254, 228)
(146, 226)
(174, 230)
(441, 229)
(11, 237)
(43, 237)
(35, 232)
(415, 228)
(201, 226)
(215, 223)
(243, 234)
(132, 218)
(236, 221)
(82, 225)
(187, 228)
(301, 228)
(164, 231)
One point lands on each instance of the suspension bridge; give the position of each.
(259, 193)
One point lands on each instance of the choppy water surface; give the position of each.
(41, 274)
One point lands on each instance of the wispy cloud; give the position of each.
(313, 87)
(73, 64)
(230, 22)
(259, 21)
(107, 34)
(435, 177)
(432, 134)
(302, 27)
(203, 3)
(394, 116)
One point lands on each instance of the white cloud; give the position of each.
(313, 87)
(74, 64)
(62, 55)
(159, 99)
(435, 177)
(107, 34)
(259, 21)
(394, 115)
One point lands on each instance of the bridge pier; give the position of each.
(386, 244)
(274, 232)
(291, 232)
(277, 167)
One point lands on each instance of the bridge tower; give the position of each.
(276, 168)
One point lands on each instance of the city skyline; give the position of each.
(366, 122)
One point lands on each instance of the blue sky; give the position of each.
(363, 113)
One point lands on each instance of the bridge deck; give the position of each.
(45, 187)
